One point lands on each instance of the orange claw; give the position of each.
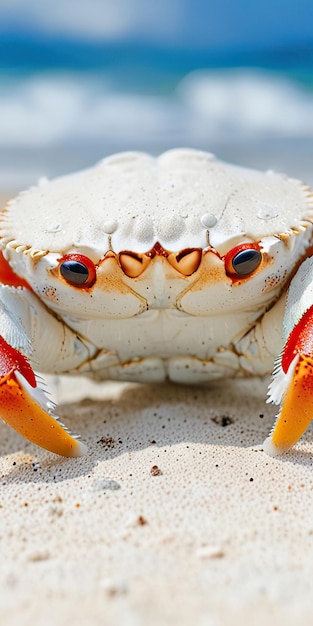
(24, 406)
(295, 377)
(297, 409)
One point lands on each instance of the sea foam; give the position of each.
(45, 109)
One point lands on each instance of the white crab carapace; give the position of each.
(145, 268)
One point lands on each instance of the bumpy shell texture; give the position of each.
(131, 200)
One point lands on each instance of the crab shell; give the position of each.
(159, 234)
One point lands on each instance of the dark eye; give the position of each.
(74, 272)
(246, 261)
(78, 270)
(243, 260)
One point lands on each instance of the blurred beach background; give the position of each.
(80, 80)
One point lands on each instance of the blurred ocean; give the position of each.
(56, 117)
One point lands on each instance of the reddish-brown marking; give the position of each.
(8, 277)
(157, 250)
(211, 272)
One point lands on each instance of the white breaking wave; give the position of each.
(51, 109)
(247, 102)
(210, 106)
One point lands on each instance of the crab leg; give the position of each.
(292, 385)
(25, 407)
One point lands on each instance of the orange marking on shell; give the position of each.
(211, 271)
(110, 276)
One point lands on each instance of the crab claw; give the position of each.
(25, 407)
(292, 383)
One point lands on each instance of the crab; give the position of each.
(180, 267)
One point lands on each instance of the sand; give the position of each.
(175, 516)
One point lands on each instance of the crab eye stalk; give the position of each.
(243, 260)
(78, 270)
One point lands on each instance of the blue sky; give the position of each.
(204, 24)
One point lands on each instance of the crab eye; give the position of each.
(243, 260)
(78, 270)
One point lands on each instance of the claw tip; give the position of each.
(80, 449)
(270, 448)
